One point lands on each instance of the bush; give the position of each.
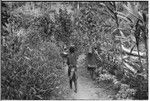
(140, 83)
(31, 65)
(125, 92)
(106, 77)
(34, 74)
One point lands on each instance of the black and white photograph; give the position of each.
(74, 50)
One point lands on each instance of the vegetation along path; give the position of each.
(35, 36)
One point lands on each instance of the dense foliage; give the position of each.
(31, 65)
(34, 34)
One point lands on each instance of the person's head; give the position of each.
(72, 49)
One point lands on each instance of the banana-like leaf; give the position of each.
(115, 31)
(133, 10)
(123, 16)
(132, 49)
(122, 34)
(129, 67)
(142, 54)
(128, 7)
(110, 10)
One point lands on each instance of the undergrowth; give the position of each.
(32, 74)
(127, 87)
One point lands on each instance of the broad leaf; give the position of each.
(123, 16)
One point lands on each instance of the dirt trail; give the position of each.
(87, 89)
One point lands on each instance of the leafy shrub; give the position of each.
(125, 92)
(30, 77)
(106, 77)
(31, 66)
(140, 83)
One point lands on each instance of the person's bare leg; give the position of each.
(75, 83)
(70, 82)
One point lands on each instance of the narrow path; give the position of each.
(87, 89)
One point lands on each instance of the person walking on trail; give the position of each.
(72, 67)
(91, 62)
